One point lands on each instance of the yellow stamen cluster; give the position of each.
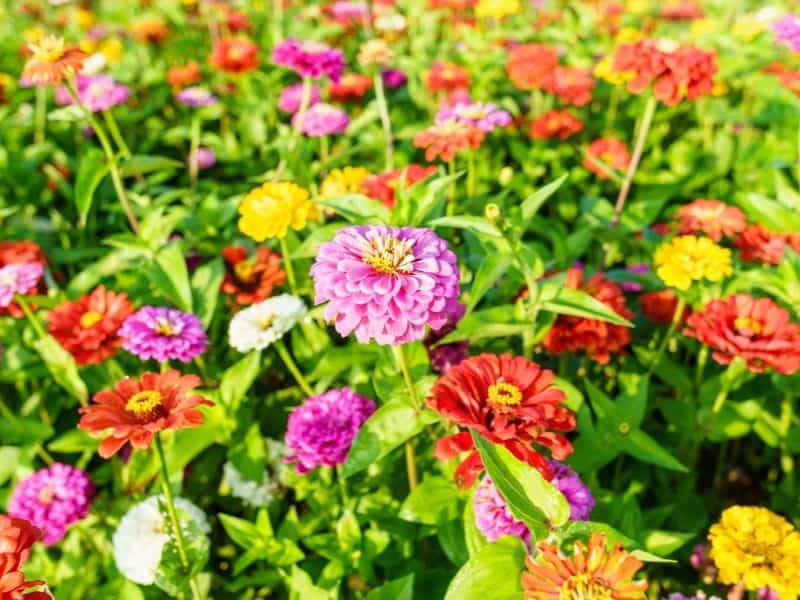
(505, 393)
(90, 319)
(143, 403)
(390, 256)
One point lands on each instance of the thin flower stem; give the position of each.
(323, 153)
(702, 359)
(386, 123)
(41, 114)
(471, 173)
(641, 138)
(287, 263)
(277, 22)
(108, 116)
(173, 516)
(26, 309)
(676, 318)
(411, 460)
(451, 193)
(287, 359)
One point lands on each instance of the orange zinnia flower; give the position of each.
(758, 244)
(660, 306)
(447, 138)
(51, 62)
(560, 124)
(589, 573)
(235, 55)
(16, 538)
(572, 86)
(446, 77)
(150, 30)
(136, 410)
(382, 186)
(611, 151)
(180, 77)
(351, 87)
(531, 66)
(251, 280)
(712, 217)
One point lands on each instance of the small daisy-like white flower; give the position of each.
(142, 534)
(262, 324)
(252, 492)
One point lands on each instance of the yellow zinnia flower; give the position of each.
(343, 181)
(111, 49)
(269, 210)
(758, 548)
(688, 258)
(605, 70)
(497, 9)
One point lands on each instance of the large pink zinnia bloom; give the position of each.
(386, 283)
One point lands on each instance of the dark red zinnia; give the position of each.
(508, 400)
(251, 280)
(660, 306)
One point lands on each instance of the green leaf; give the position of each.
(472, 535)
(434, 194)
(308, 249)
(242, 532)
(637, 443)
(498, 321)
(530, 497)
(358, 208)
(434, 501)
(91, 171)
(205, 289)
(172, 277)
(397, 589)
(771, 214)
(493, 572)
(531, 205)
(73, 441)
(388, 427)
(238, 378)
(492, 268)
(62, 367)
(566, 301)
(664, 543)
(248, 455)
(22, 431)
(141, 164)
(477, 225)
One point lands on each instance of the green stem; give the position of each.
(383, 111)
(641, 138)
(676, 318)
(451, 193)
(277, 22)
(471, 173)
(323, 153)
(611, 113)
(411, 460)
(194, 144)
(173, 516)
(287, 264)
(702, 359)
(41, 114)
(26, 309)
(287, 359)
(111, 122)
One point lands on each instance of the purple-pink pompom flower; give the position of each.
(292, 97)
(321, 119)
(386, 283)
(478, 114)
(309, 58)
(164, 334)
(787, 31)
(196, 97)
(96, 92)
(577, 493)
(18, 278)
(393, 78)
(492, 515)
(52, 499)
(205, 158)
(321, 430)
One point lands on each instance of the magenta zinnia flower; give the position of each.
(18, 278)
(52, 499)
(393, 78)
(322, 119)
(195, 97)
(485, 116)
(579, 496)
(164, 334)
(492, 515)
(787, 31)
(386, 283)
(292, 97)
(309, 58)
(96, 92)
(205, 158)
(321, 430)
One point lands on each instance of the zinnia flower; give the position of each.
(560, 124)
(445, 356)
(309, 58)
(446, 138)
(756, 547)
(89, 327)
(195, 97)
(578, 495)
(386, 283)
(18, 279)
(507, 400)
(447, 77)
(613, 152)
(531, 66)
(497, 9)
(269, 210)
(251, 280)
(483, 115)
(382, 186)
(97, 92)
(493, 517)
(571, 85)
(591, 572)
(351, 87)
(292, 97)
(712, 217)
(660, 306)
(393, 78)
(375, 53)
(235, 55)
(599, 339)
(143, 532)
(754, 329)
(163, 334)
(687, 258)
(136, 410)
(16, 538)
(321, 430)
(150, 29)
(758, 244)
(262, 324)
(18, 253)
(787, 31)
(321, 119)
(52, 499)
(682, 10)
(272, 486)
(203, 157)
(51, 62)
(181, 76)
(339, 182)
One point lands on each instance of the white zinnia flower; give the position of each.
(142, 534)
(262, 324)
(254, 493)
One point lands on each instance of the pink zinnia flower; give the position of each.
(96, 92)
(787, 31)
(386, 283)
(309, 58)
(322, 119)
(493, 517)
(18, 279)
(292, 96)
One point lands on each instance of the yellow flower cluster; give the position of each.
(605, 70)
(687, 258)
(343, 181)
(269, 210)
(497, 9)
(758, 548)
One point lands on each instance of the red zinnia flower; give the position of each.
(598, 339)
(235, 55)
(251, 280)
(508, 400)
(757, 244)
(236, 21)
(531, 66)
(381, 187)
(136, 410)
(351, 86)
(682, 10)
(660, 306)
(447, 138)
(16, 538)
(755, 329)
(611, 151)
(447, 77)
(560, 124)
(712, 217)
(180, 77)
(87, 328)
(15, 253)
(572, 86)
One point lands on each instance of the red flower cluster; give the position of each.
(136, 410)
(16, 253)
(448, 78)
(507, 400)
(560, 124)
(679, 70)
(183, 76)
(712, 217)
(758, 244)
(682, 10)
(350, 87)
(788, 78)
(16, 538)
(381, 187)
(235, 55)
(611, 151)
(251, 280)
(660, 306)
(536, 67)
(87, 328)
(755, 329)
(598, 339)
(447, 138)
(571, 85)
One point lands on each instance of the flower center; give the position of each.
(164, 327)
(237, 52)
(49, 50)
(583, 586)
(748, 325)
(243, 270)
(8, 276)
(143, 403)
(266, 321)
(90, 319)
(313, 46)
(46, 495)
(390, 256)
(504, 393)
